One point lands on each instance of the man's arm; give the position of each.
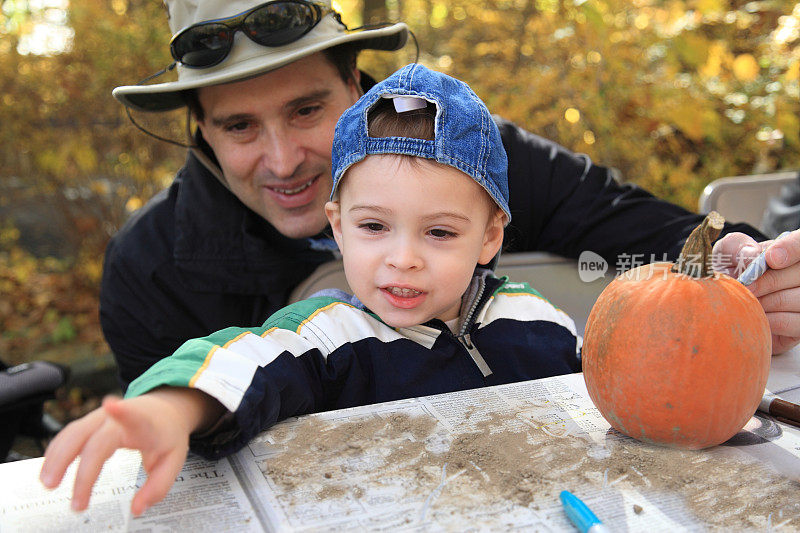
(563, 203)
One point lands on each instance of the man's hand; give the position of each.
(158, 424)
(778, 290)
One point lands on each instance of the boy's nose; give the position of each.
(404, 255)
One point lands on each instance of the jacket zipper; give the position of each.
(464, 337)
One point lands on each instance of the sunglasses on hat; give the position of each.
(277, 23)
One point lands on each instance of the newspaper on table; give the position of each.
(491, 458)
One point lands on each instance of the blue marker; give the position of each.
(580, 515)
(758, 266)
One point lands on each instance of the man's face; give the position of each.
(272, 136)
(411, 233)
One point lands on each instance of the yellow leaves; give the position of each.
(120, 7)
(788, 29)
(547, 5)
(718, 56)
(789, 124)
(85, 158)
(438, 15)
(711, 6)
(684, 116)
(133, 204)
(444, 62)
(100, 187)
(572, 115)
(692, 117)
(166, 179)
(41, 303)
(693, 49)
(73, 156)
(487, 48)
(92, 269)
(745, 67)
(8, 236)
(793, 72)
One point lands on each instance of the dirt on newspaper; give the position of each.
(500, 460)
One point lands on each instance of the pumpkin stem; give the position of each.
(695, 257)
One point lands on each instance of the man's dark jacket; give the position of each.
(195, 260)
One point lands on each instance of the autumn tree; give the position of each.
(672, 93)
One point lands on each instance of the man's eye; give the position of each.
(442, 234)
(308, 110)
(237, 127)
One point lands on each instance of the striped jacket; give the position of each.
(326, 353)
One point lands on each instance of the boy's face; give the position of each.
(411, 232)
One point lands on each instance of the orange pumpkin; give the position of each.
(674, 359)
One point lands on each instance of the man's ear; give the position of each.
(492, 237)
(333, 211)
(354, 84)
(201, 125)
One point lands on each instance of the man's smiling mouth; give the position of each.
(296, 190)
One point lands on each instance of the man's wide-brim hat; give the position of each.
(247, 58)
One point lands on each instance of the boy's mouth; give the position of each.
(403, 297)
(403, 292)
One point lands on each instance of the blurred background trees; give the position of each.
(673, 93)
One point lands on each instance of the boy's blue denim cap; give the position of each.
(465, 136)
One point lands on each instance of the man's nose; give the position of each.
(281, 154)
(404, 254)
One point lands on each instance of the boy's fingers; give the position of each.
(139, 431)
(66, 446)
(103, 443)
(159, 480)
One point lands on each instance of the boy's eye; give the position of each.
(442, 233)
(372, 227)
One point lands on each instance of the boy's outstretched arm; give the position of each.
(158, 424)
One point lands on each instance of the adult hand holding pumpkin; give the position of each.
(676, 354)
(778, 290)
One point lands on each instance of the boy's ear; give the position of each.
(492, 238)
(333, 211)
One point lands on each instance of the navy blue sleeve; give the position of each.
(561, 202)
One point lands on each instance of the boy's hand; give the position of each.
(778, 290)
(158, 424)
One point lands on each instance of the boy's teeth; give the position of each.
(295, 190)
(405, 293)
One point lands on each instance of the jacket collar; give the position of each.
(220, 244)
